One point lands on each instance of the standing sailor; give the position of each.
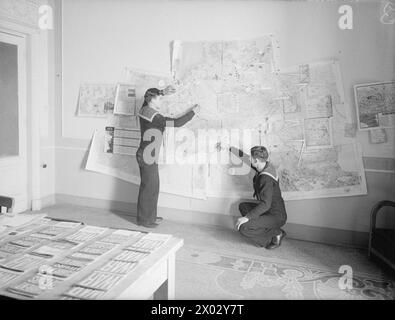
(152, 126)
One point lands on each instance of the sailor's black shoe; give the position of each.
(276, 241)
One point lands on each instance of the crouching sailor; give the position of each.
(261, 221)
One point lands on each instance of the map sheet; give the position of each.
(375, 105)
(96, 100)
(299, 114)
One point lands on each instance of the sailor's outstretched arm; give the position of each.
(240, 154)
(180, 121)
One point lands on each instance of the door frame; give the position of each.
(21, 158)
(30, 34)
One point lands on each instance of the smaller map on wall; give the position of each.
(96, 100)
(318, 133)
(125, 100)
(378, 136)
(375, 105)
(121, 140)
(121, 166)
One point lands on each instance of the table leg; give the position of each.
(171, 277)
(167, 290)
(161, 292)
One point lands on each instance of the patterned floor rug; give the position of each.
(203, 274)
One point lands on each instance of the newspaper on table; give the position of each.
(55, 230)
(34, 285)
(92, 251)
(158, 236)
(64, 297)
(83, 256)
(26, 289)
(120, 236)
(10, 248)
(20, 219)
(130, 254)
(97, 248)
(35, 225)
(24, 263)
(42, 236)
(84, 293)
(68, 224)
(54, 248)
(7, 276)
(100, 281)
(4, 255)
(150, 242)
(27, 241)
(50, 232)
(118, 267)
(39, 262)
(67, 267)
(3, 229)
(86, 234)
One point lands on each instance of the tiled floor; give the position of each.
(228, 241)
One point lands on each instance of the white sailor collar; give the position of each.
(148, 113)
(270, 171)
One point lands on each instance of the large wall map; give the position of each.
(298, 113)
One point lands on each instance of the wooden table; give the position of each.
(152, 278)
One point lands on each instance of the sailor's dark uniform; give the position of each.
(149, 174)
(268, 215)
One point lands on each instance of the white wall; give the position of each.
(101, 37)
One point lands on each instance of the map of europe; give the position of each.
(298, 113)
